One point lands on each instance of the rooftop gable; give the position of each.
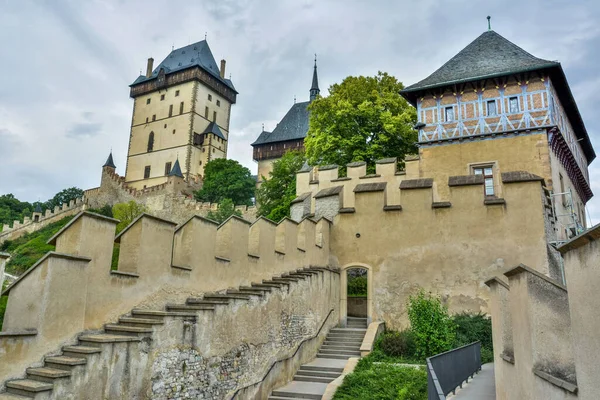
(293, 126)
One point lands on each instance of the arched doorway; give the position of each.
(356, 279)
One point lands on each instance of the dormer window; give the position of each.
(491, 108)
(449, 114)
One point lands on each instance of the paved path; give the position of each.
(481, 387)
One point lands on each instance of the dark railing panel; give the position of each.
(447, 371)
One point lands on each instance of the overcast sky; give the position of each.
(66, 66)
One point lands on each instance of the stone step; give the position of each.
(356, 319)
(304, 378)
(46, 374)
(346, 334)
(279, 283)
(12, 396)
(322, 369)
(251, 292)
(301, 390)
(342, 339)
(226, 296)
(340, 347)
(357, 331)
(285, 279)
(82, 349)
(210, 302)
(190, 308)
(341, 352)
(27, 387)
(140, 321)
(97, 339)
(262, 289)
(323, 374)
(60, 362)
(161, 314)
(296, 277)
(127, 329)
(356, 326)
(334, 356)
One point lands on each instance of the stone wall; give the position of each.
(159, 262)
(33, 224)
(357, 307)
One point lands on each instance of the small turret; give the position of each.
(176, 170)
(314, 88)
(109, 162)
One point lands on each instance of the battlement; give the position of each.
(39, 220)
(159, 262)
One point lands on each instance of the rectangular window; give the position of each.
(181, 108)
(214, 116)
(148, 101)
(171, 110)
(154, 117)
(206, 112)
(449, 114)
(167, 168)
(488, 178)
(491, 108)
(514, 105)
(162, 97)
(146, 119)
(146, 172)
(218, 103)
(177, 93)
(210, 97)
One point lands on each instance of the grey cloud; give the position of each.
(85, 129)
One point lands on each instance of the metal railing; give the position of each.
(447, 371)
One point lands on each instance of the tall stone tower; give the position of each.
(181, 111)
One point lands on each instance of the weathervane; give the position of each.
(489, 23)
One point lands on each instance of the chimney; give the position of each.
(223, 68)
(149, 67)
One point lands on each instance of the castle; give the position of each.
(200, 310)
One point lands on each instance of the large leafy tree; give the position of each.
(225, 210)
(276, 193)
(127, 212)
(64, 197)
(226, 179)
(11, 209)
(362, 119)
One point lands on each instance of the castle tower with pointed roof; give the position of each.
(494, 108)
(288, 135)
(181, 112)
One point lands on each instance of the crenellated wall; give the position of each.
(399, 227)
(160, 262)
(39, 220)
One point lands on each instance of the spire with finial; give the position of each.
(176, 170)
(294, 99)
(109, 161)
(263, 127)
(489, 23)
(314, 88)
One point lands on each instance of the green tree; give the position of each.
(433, 329)
(226, 179)
(225, 210)
(12, 209)
(127, 212)
(362, 119)
(276, 193)
(64, 197)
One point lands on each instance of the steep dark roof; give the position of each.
(215, 130)
(38, 208)
(293, 126)
(176, 170)
(194, 55)
(489, 55)
(109, 161)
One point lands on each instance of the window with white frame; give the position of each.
(487, 171)
(491, 108)
(513, 103)
(449, 111)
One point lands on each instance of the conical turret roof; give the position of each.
(109, 161)
(176, 170)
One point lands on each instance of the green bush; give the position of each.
(398, 344)
(433, 329)
(105, 210)
(383, 381)
(357, 286)
(475, 327)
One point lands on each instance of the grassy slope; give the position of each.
(26, 250)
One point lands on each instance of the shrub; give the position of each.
(225, 210)
(475, 327)
(357, 285)
(398, 344)
(433, 329)
(105, 210)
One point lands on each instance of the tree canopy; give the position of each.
(276, 193)
(127, 212)
(64, 197)
(362, 119)
(225, 210)
(226, 179)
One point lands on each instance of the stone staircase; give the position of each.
(312, 378)
(136, 327)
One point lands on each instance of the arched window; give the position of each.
(150, 142)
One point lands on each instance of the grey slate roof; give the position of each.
(487, 56)
(195, 54)
(109, 161)
(176, 170)
(293, 126)
(38, 208)
(214, 129)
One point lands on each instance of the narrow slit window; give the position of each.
(146, 172)
(150, 142)
(206, 112)
(148, 101)
(171, 110)
(181, 108)
(210, 97)
(162, 97)
(167, 168)
(214, 116)
(177, 93)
